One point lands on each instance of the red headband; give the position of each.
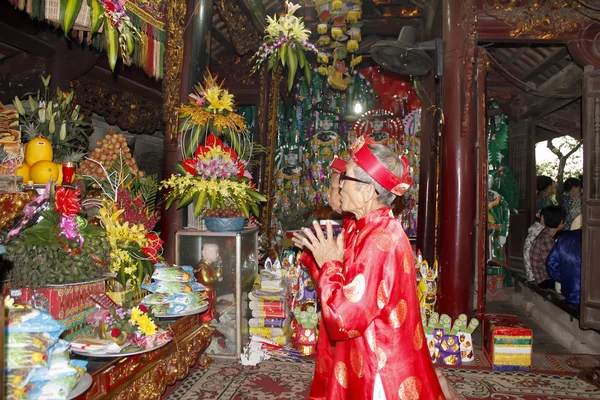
(338, 165)
(362, 156)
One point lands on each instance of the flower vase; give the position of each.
(106, 334)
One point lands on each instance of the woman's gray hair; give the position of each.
(391, 161)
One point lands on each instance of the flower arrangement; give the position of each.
(285, 42)
(210, 109)
(60, 247)
(119, 32)
(122, 325)
(214, 178)
(56, 117)
(128, 214)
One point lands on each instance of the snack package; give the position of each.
(192, 300)
(55, 389)
(59, 354)
(174, 287)
(32, 320)
(17, 378)
(25, 357)
(59, 371)
(155, 298)
(175, 274)
(42, 340)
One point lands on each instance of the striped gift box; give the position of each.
(507, 342)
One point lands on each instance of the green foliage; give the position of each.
(56, 117)
(573, 166)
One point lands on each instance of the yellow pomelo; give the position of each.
(24, 172)
(60, 175)
(38, 149)
(42, 171)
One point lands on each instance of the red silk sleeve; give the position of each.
(349, 302)
(307, 259)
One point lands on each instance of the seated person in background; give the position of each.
(570, 200)
(553, 219)
(546, 189)
(576, 223)
(532, 233)
(564, 265)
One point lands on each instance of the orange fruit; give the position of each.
(43, 171)
(38, 149)
(23, 171)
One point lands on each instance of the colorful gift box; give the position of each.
(507, 342)
(64, 301)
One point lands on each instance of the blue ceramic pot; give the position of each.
(225, 224)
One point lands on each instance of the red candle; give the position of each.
(68, 170)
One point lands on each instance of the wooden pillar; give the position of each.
(172, 93)
(428, 173)
(482, 187)
(458, 162)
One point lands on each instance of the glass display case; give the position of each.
(233, 257)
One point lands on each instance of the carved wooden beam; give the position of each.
(118, 105)
(558, 91)
(521, 26)
(219, 37)
(244, 37)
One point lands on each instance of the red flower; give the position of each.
(143, 308)
(109, 6)
(154, 245)
(201, 151)
(213, 141)
(154, 241)
(67, 201)
(231, 153)
(190, 165)
(115, 332)
(240, 174)
(151, 254)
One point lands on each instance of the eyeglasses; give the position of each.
(344, 177)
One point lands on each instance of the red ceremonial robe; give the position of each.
(370, 309)
(325, 347)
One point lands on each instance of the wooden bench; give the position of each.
(547, 294)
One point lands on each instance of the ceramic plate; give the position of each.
(193, 311)
(85, 382)
(127, 351)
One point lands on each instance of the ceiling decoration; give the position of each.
(537, 18)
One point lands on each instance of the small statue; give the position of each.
(427, 288)
(498, 225)
(306, 320)
(209, 272)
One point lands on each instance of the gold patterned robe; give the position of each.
(370, 308)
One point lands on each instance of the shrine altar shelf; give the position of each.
(146, 376)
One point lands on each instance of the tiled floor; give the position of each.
(543, 342)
